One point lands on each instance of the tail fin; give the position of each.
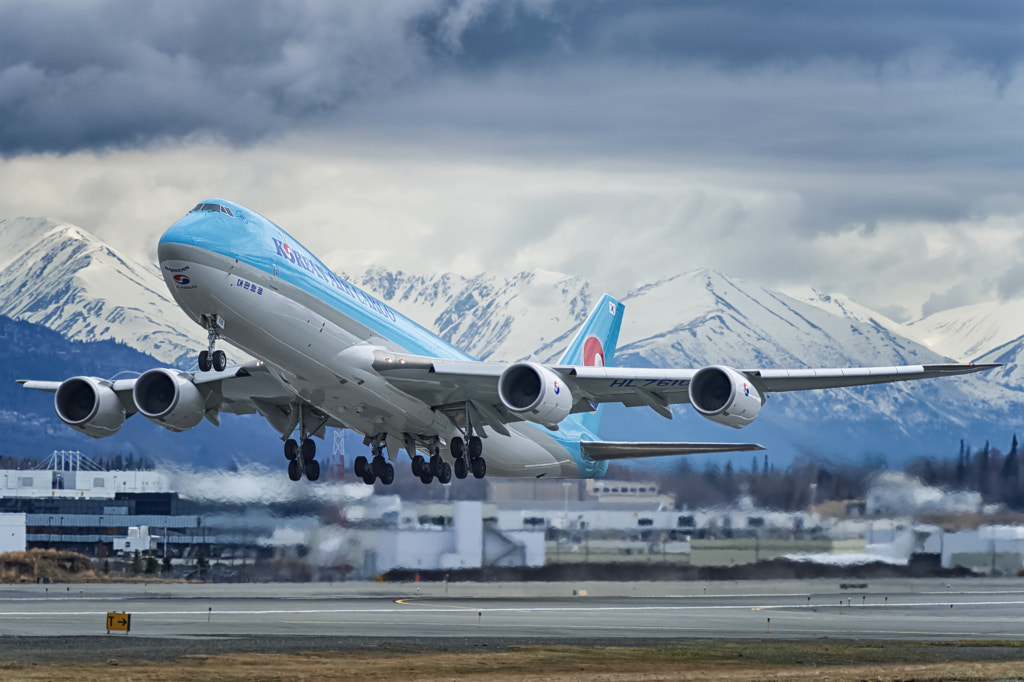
(594, 346)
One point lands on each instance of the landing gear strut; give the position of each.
(468, 454)
(378, 468)
(211, 358)
(301, 453)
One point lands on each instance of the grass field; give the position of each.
(703, 660)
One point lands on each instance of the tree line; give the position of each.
(996, 474)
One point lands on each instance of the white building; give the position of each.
(12, 532)
(81, 484)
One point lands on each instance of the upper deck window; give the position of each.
(214, 207)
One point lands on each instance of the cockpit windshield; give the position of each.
(216, 208)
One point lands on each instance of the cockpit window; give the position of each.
(216, 208)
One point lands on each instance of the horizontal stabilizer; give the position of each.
(628, 450)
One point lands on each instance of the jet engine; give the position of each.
(89, 405)
(169, 398)
(535, 393)
(725, 396)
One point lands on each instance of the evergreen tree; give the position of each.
(167, 566)
(136, 563)
(151, 564)
(1010, 463)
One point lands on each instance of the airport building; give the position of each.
(335, 531)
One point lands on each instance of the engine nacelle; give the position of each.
(169, 398)
(535, 393)
(725, 396)
(89, 405)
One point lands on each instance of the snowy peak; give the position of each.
(969, 332)
(489, 317)
(705, 317)
(60, 276)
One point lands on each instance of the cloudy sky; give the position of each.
(869, 148)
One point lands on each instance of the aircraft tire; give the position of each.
(377, 466)
(461, 468)
(479, 467)
(387, 476)
(359, 466)
(434, 465)
(308, 450)
(313, 470)
(418, 464)
(457, 447)
(426, 477)
(205, 364)
(368, 477)
(294, 473)
(291, 449)
(219, 360)
(444, 474)
(476, 447)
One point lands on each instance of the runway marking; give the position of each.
(529, 609)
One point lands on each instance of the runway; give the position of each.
(932, 610)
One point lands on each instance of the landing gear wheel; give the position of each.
(476, 447)
(418, 465)
(479, 467)
(291, 449)
(205, 363)
(378, 466)
(444, 474)
(313, 470)
(461, 468)
(387, 476)
(426, 477)
(294, 472)
(308, 450)
(368, 477)
(359, 467)
(434, 465)
(458, 447)
(220, 360)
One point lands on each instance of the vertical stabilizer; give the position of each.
(594, 346)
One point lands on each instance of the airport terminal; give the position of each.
(350, 532)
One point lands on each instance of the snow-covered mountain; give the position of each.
(969, 332)
(489, 317)
(60, 276)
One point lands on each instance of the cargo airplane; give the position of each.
(331, 355)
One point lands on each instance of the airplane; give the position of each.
(329, 355)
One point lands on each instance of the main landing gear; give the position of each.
(378, 467)
(468, 456)
(301, 453)
(428, 469)
(211, 358)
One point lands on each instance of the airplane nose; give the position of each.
(176, 242)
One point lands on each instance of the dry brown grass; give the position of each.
(710, 661)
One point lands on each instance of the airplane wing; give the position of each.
(243, 389)
(443, 382)
(630, 450)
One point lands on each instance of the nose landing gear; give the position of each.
(211, 358)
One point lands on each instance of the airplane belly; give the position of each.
(301, 347)
(528, 453)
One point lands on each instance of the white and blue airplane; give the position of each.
(331, 355)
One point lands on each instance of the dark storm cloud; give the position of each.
(93, 75)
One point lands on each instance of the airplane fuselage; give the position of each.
(316, 333)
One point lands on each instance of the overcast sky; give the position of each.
(870, 148)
